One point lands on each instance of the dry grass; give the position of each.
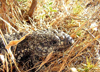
(80, 19)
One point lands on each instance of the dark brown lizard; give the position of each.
(39, 43)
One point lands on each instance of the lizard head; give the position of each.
(53, 40)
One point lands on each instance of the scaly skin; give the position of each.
(39, 43)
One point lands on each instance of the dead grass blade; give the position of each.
(74, 34)
(3, 37)
(15, 42)
(84, 48)
(46, 60)
(12, 43)
(3, 61)
(62, 66)
(8, 24)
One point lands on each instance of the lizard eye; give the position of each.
(69, 43)
(53, 42)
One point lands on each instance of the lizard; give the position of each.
(37, 44)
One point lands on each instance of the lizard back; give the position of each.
(38, 43)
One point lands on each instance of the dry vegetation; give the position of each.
(78, 18)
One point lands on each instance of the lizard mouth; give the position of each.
(62, 48)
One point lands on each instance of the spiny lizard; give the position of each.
(39, 43)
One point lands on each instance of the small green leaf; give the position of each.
(44, 6)
(50, 3)
(50, 8)
(54, 10)
(18, 0)
(86, 69)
